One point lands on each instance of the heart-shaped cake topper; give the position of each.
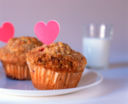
(6, 32)
(47, 33)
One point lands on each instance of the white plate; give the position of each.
(25, 88)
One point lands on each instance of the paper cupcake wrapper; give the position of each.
(44, 79)
(15, 71)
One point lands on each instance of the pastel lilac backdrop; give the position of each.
(72, 15)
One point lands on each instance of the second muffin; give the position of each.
(55, 66)
(13, 56)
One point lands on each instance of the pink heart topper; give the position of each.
(6, 32)
(47, 33)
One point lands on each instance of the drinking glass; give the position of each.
(96, 44)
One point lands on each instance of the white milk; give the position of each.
(96, 52)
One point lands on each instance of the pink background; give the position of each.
(72, 15)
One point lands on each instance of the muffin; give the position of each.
(55, 66)
(13, 57)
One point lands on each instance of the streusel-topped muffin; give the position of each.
(13, 56)
(55, 66)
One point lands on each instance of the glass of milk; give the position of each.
(96, 45)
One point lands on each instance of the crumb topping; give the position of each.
(57, 56)
(22, 44)
(16, 49)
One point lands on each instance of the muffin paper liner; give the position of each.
(15, 71)
(45, 79)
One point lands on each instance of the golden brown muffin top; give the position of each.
(57, 56)
(17, 48)
(22, 44)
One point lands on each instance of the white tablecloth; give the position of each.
(113, 90)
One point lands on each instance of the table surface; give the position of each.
(113, 90)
